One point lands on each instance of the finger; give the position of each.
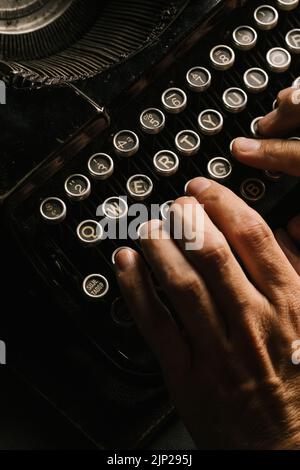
(274, 155)
(285, 118)
(152, 317)
(247, 233)
(293, 228)
(289, 249)
(182, 284)
(210, 253)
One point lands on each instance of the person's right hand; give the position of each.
(278, 154)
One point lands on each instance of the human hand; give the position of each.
(278, 155)
(229, 370)
(270, 153)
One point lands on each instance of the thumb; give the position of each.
(274, 154)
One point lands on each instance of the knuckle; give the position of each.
(275, 148)
(254, 233)
(217, 255)
(187, 285)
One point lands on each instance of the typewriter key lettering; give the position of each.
(101, 166)
(166, 163)
(53, 210)
(287, 5)
(222, 57)
(139, 187)
(115, 208)
(78, 187)
(278, 59)
(174, 100)
(253, 189)
(198, 79)
(254, 126)
(256, 80)
(126, 143)
(244, 38)
(152, 121)
(95, 286)
(219, 169)
(210, 122)
(187, 142)
(235, 100)
(292, 40)
(266, 17)
(164, 209)
(90, 232)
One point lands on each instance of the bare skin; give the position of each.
(229, 370)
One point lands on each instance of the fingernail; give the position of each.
(124, 260)
(197, 186)
(247, 145)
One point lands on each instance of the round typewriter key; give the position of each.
(219, 169)
(95, 286)
(166, 163)
(253, 189)
(115, 208)
(126, 143)
(186, 186)
(278, 59)
(152, 121)
(101, 166)
(187, 142)
(198, 79)
(273, 175)
(275, 105)
(292, 40)
(113, 256)
(53, 210)
(222, 57)
(294, 138)
(231, 145)
(120, 313)
(235, 100)
(90, 232)
(210, 122)
(254, 128)
(174, 100)
(287, 4)
(296, 82)
(78, 187)
(164, 209)
(244, 38)
(256, 80)
(139, 187)
(266, 17)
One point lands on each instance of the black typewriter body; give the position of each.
(72, 337)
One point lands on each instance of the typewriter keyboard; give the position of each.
(180, 127)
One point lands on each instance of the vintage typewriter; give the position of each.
(105, 100)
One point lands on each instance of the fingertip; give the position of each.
(244, 147)
(126, 259)
(197, 186)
